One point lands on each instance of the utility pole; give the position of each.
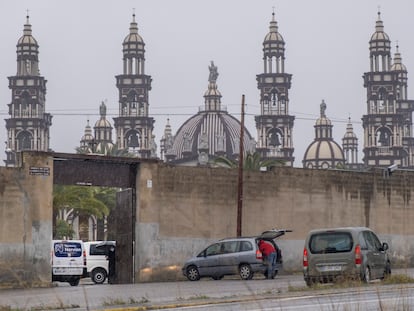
(240, 182)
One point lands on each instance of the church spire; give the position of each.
(28, 125)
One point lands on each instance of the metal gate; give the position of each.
(95, 170)
(124, 223)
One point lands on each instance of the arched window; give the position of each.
(382, 100)
(24, 140)
(133, 100)
(133, 139)
(383, 137)
(274, 98)
(275, 138)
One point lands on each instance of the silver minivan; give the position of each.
(350, 252)
(232, 256)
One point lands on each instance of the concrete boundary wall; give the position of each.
(182, 209)
(179, 210)
(26, 222)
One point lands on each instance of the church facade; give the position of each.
(213, 132)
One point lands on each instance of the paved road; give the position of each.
(88, 296)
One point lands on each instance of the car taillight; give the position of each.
(305, 258)
(84, 258)
(259, 254)
(358, 256)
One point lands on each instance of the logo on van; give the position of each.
(68, 250)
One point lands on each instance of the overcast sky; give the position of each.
(80, 45)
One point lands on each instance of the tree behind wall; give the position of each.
(71, 202)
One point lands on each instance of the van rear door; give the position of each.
(68, 258)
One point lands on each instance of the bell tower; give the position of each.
(133, 125)
(388, 122)
(274, 124)
(28, 124)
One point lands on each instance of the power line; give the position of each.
(166, 114)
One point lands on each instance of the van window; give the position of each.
(330, 242)
(213, 249)
(93, 250)
(372, 241)
(68, 249)
(228, 247)
(245, 246)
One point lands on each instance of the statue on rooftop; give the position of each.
(212, 78)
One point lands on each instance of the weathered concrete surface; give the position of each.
(26, 222)
(179, 210)
(182, 209)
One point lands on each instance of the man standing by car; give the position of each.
(269, 254)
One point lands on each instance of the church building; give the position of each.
(388, 135)
(28, 123)
(213, 132)
(274, 124)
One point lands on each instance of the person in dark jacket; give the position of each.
(111, 265)
(269, 254)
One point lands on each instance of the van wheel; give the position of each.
(98, 275)
(246, 272)
(192, 273)
(367, 275)
(74, 282)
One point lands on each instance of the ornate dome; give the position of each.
(133, 43)
(398, 65)
(380, 42)
(349, 131)
(27, 53)
(273, 44)
(211, 132)
(323, 121)
(87, 137)
(27, 38)
(323, 152)
(103, 122)
(103, 128)
(217, 132)
(88, 132)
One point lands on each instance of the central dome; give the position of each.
(212, 132)
(218, 132)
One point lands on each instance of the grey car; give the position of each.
(351, 252)
(232, 256)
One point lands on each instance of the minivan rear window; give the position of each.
(68, 249)
(330, 242)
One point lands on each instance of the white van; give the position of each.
(68, 261)
(96, 261)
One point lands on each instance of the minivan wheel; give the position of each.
(192, 273)
(367, 275)
(98, 275)
(246, 272)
